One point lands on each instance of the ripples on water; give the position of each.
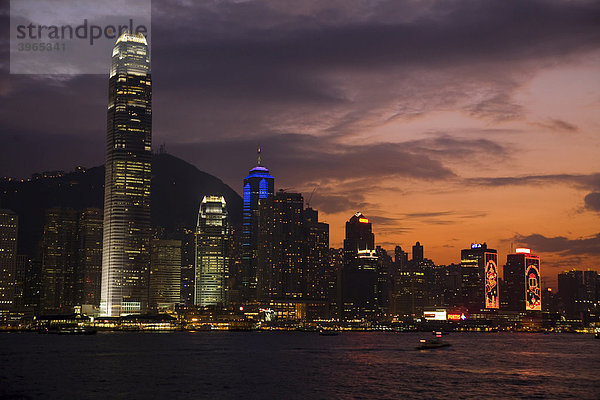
(296, 365)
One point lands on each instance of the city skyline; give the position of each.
(458, 122)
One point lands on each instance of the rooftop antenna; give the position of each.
(259, 160)
(311, 195)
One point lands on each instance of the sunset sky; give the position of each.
(446, 122)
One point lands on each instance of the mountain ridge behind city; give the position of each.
(177, 190)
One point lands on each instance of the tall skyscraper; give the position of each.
(126, 245)
(281, 268)
(522, 281)
(479, 274)
(188, 265)
(579, 295)
(165, 274)
(417, 252)
(212, 252)
(89, 236)
(258, 185)
(8, 257)
(316, 247)
(61, 278)
(359, 274)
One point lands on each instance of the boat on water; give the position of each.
(78, 330)
(597, 333)
(432, 344)
(328, 332)
(70, 330)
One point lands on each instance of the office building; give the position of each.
(579, 295)
(89, 237)
(165, 274)
(316, 250)
(127, 232)
(281, 269)
(479, 277)
(358, 297)
(258, 185)
(212, 253)
(61, 280)
(8, 258)
(522, 281)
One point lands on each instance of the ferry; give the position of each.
(432, 344)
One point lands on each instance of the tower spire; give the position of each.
(259, 160)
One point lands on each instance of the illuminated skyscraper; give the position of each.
(259, 184)
(316, 244)
(281, 268)
(212, 255)
(126, 250)
(61, 280)
(8, 257)
(522, 281)
(359, 274)
(89, 237)
(165, 274)
(479, 276)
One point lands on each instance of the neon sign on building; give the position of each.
(491, 281)
(533, 286)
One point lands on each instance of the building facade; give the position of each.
(522, 281)
(359, 275)
(89, 237)
(127, 232)
(258, 185)
(165, 274)
(479, 277)
(281, 268)
(212, 253)
(61, 287)
(9, 222)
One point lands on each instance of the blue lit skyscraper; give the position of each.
(259, 184)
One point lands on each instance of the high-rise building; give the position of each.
(479, 274)
(522, 281)
(334, 278)
(578, 292)
(61, 286)
(212, 252)
(281, 269)
(165, 274)
(316, 248)
(359, 275)
(258, 185)
(188, 265)
(385, 276)
(89, 235)
(400, 258)
(8, 257)
(127, 232)
(417, 253)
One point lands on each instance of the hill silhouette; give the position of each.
(177, 190)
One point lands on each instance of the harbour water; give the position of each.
(298, 365)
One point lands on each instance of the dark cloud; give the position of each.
(300, 159)
(428, 214)
(300, 77)
(444, 217)
(592, 201)
(334, 203)
(559, 125)
(589, 246)
(584, 181)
